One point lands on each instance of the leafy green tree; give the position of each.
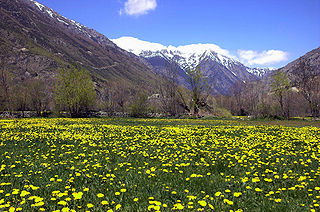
(74, 91)
(279, 87)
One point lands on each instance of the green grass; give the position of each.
(167, 164)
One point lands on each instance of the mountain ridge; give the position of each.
(193, 53)
(218, 66)
(311, 58)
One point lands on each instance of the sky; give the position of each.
(260, 33)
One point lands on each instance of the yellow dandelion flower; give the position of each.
(202, 203)
(62, 203)
(237, 194)
(258, 189)
(100, 195)
(118, 206)
(104, 202)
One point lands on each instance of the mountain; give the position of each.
(298, 72)
(312, 58)
(221, 70)
(36, 41)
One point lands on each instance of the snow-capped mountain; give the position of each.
(188, 56)
(221, 68)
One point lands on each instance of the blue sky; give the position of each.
(248, 29)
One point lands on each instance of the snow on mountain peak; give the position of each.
(260, 72)
(137, 46)
(40, 6)
(200, 49)
(189, 55)
(81, 28)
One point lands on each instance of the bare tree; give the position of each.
(19, 97)
(139, 107)
(199, 89)
(307, 81)
(5, 83)
(255, 100)
(116, 96)
(237, 95)
(168, 88)
(38, 95)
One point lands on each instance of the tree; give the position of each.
(19, 97)
(5, 83)
(253, 98)
(198, 87)
(308, 85)
(38, 95)
(116, 97)
(74, 91)
(168, 88)
(139, 108)
(237, 91)
(279, 87)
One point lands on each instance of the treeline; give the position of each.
(31, 94)
(280, 95)
(74, 93)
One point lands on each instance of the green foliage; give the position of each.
(222, 112)
(279, 83)
(279, 87)
(74, 91)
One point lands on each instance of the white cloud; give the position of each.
(138, 7)
(267, 57)
(136, 46)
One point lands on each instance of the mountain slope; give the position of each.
(35, 41)
(221, 69)
(312, 58)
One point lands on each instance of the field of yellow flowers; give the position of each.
(157, 165)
